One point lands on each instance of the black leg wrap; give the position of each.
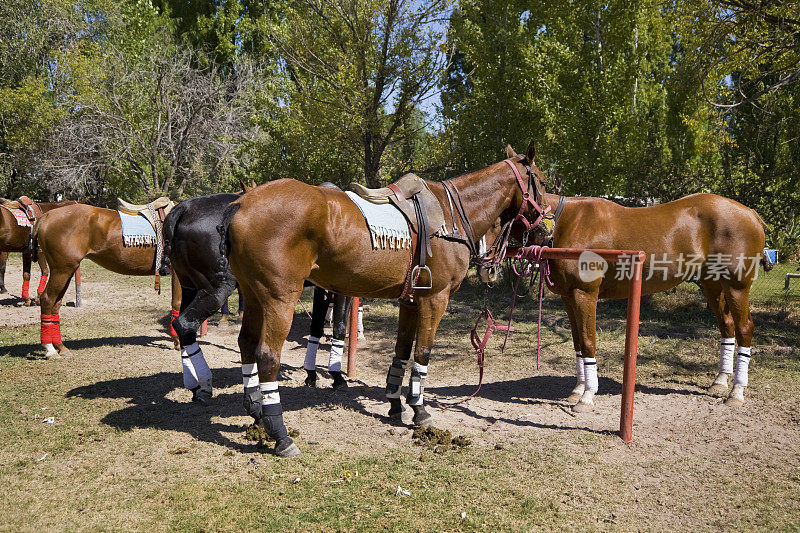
(272, 422)
(394, 378)
(396, 409)
(311, 378)
(252, 402)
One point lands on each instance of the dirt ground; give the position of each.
(127, 449)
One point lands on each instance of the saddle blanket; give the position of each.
(388, 227)
(137, 230)
(20, 215)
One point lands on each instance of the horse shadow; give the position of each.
(150, 405)
(30, 351)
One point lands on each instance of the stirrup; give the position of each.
(415, 276)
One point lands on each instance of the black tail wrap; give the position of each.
(224, 244)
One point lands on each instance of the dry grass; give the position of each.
(127, 451)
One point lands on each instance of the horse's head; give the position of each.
(527, 209)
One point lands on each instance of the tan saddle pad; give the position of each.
(134, 209)
(408, 185)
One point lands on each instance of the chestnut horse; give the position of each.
(16, 238)
(192, 249)
(70, 234)
(284, 232)
(702, 236)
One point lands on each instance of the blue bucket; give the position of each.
(771, 255)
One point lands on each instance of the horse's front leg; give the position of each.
(406, 332)
(430, 314)
(44, 269)
(3, 261)
(584, 308)
(26, 279)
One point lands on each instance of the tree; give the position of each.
(152, 127)
(359, 70)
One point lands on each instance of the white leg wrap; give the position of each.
(335, 358)
(311, 353)
(580, 385)
(195, 368)
(416, 384)
(250, 375)
(590, 374)
(726, 349)
(742, 366)
(269, 393)
(360, 322)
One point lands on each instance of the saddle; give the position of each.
(411, 195)
(154, 212)
(147, 210)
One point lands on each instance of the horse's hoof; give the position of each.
(310, 383)
(574, 397)
(52, 355)
(288, 449)
(718, 389)
(223, 319)
(582, 407)
(27, 302)
(65, 353)
(421, 416)
(734, 402)
(3, 290)
(338, 381)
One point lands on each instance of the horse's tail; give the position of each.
(35, 238)
(765, 262)
(224, 241)
(168, 231)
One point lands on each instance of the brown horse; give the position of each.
(702, 236)
(69, 235)
(284, 232)
(16, 238)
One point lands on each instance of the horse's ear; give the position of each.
(245, 187)
(510, 153)
(253, 184)
(531, 155)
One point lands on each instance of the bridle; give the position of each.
(531, 196)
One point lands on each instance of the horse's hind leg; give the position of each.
(266, 324)
(718, 304)
(26, 278)
(51, 304)
(196, 307)
(406, 332)
(318, 310)
(3, 261)
(44, 269)
(739, 304)
(580, 385)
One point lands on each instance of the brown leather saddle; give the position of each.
(411, 195)
(154, 212)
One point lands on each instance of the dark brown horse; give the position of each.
(703, 236)
(67, 236)
(16, 238)
(285, 232)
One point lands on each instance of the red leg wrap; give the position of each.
(26, 284)
(172, 332)
(55, 331)
(42, 283)
(47, 322)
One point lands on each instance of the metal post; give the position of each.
(631, 344)
(204, 328)
(352, 339)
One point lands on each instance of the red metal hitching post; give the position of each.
(631, 346)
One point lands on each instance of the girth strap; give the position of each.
(452, 192)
